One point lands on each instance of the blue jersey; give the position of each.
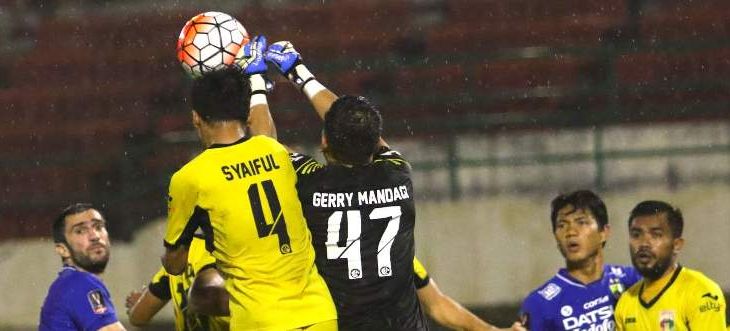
(564, 303)
(77, 300)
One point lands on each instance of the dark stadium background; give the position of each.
(94, 105)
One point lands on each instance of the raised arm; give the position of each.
(289, 63)
(253, 65)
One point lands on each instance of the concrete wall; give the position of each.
(495, 244)
(481, 251)
(495, 250)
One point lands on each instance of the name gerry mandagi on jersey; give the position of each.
(597, 316)
(350, 199)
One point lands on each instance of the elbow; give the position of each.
(174, 269)
(136, 319)
(172, 266)
(138, 322)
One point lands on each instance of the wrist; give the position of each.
(257, 100)
(257, 83)
(312, 87)
(300, 76)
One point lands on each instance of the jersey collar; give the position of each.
(243, 139)
(651, 302)
(565, 276)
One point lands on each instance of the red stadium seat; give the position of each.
(672, 21)
(586, 31)
(666, 68)
(563, 71)
(489, 10)
(436, 79)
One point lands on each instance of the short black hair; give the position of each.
(221, 95)
(581, 199)
(59, 223)
(352, 127)
(654, 207)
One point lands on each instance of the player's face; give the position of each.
(578, 235)
(88, 241)
(652, 245)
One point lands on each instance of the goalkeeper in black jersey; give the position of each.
(359, 208)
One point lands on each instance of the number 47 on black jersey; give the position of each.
(362, 220)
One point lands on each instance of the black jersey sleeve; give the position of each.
(304, 164)
(160, 287)
(385, 154)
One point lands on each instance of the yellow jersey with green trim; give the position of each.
(243, 196)
(169, 287)
(690, 301)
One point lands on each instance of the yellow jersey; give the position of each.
(689, 301)
(243, 196)
(175, 288)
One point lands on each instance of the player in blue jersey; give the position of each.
(581, 296)
(78, 299)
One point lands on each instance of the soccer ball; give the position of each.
(210, 41)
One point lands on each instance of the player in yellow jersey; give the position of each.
(440, 307)
(241, 191)
(145, 304)
(670, 297)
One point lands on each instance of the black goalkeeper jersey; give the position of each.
(362, 221)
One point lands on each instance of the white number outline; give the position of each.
(351, 251)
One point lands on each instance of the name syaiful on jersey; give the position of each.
(370, 197)
(249, 168)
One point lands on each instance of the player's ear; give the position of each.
(605, 233)
(196, 118)
(324, 141)
(62, 250)
(677, 244)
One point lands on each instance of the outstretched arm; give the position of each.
(447, 312)
(289, 63)
(142, 306)
(253, 65)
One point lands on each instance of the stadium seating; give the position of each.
(91, 83)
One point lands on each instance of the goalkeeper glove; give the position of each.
(288, 62)
(252, 64)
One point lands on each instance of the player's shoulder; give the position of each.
(71, 275)
(70, 281)
(695, 279)
(386, 155)
(305, 164)
(267, 142)
(620, 271)
(547, 292)
(626, 274)
(633, 291)
(190, 168)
